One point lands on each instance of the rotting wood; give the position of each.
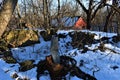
(58, 71)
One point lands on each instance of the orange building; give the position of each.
(80, 24)
(76, 22)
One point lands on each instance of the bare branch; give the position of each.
(114, 7)
(102, 2)
(83, 7)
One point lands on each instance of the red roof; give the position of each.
(80, 24)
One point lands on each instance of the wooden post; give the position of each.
(54, 49)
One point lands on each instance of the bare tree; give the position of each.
(45, 13)
(58, 18)
(92, 9)
(108, 17)
(112, 11)
(6, 13)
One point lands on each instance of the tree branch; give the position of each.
(99, 6)
(83, 7)
(114, 7)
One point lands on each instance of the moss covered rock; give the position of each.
(26, 65)
(17, 38)
(3, 45)
(7, 57)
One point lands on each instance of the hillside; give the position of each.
(96, 53)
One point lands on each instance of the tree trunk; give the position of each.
(88, 21)
(6, 13)
(58, 18)
(108, 17)
(45, 13)
(107, 21)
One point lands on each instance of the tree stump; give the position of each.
(58, 71)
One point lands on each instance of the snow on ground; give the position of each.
(102, 65)
(100, 34)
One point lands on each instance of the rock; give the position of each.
(26, 65)
(114, 67)
(47, 34)
(17, 38)
(116, 39)
(15, 75)
(7, 57)
(80, 39)
(18, 78)
(3, 46)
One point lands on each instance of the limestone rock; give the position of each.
(17, 38)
